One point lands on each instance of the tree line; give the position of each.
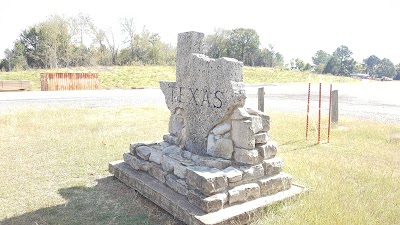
(340, 62)
(77, 41)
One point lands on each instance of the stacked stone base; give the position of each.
(179, 205)
(212, 186)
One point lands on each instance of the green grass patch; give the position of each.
(54, 169)
(272, 75)
(352, 180)
(54, 166)
(127, 77)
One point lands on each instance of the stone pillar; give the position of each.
(188, 43)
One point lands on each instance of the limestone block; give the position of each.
(222, 128)
(264, 117)
(252, 172)
(155, 146)
(207, 180)
(180, 170)
(222, 148)
(256, 124)
(215, 202)
(243, 135)
(246, 156)
(239, 114)
(176, 123)
(233, 174)
(275, 184)
(218, 163)
(268, 150)
(157, 172)
(243, 193)
(207, 204)
(155, 156)
(172, 149)
(164, 144)
(172, 140)
(266, 122)
(273, 166)
(261, 138)
(143, 152)
(177, 184)
(179, 158)
(136, 163)
(227, 135)
(187, 154)
(167, 163)
(210, 143)
(133, 147)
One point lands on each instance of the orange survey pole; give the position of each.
(319, 111)
(308, 104)
(330, 109)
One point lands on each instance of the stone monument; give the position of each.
(217, 164)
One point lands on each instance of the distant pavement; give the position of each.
(371, 100)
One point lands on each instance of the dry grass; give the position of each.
(54, 169)
(352, 180)
(54, 166)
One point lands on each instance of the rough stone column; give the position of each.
(188, 43)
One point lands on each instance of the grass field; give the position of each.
(127, 77)
(54, 169)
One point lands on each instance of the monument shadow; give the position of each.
(108, 202)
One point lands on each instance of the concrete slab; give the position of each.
(179, 206)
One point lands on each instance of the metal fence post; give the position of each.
(261, 94)
(335, 107)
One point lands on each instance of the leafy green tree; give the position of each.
(155, 48)
(216, 45)
(341, 62)
(386, 69)
(30, 39)
(371, 64)
(320, 59)
(278, 60)
(300, 65)
(243, 45)
(53, 42)
(359, 68)
(269, 58)
(308, 67)
(169, 54)
(3, 65)
(332, 66)
(17, 60)
(6, 63)
(347, 63)
(397, 77)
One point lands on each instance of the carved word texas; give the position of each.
(198, 97)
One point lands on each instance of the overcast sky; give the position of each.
(296, 28)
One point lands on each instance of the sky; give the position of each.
(296, 28)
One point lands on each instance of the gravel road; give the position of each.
(366, 100)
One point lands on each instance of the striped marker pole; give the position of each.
(319, 110)
(308, 104)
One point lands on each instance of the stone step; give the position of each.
(180, 207)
